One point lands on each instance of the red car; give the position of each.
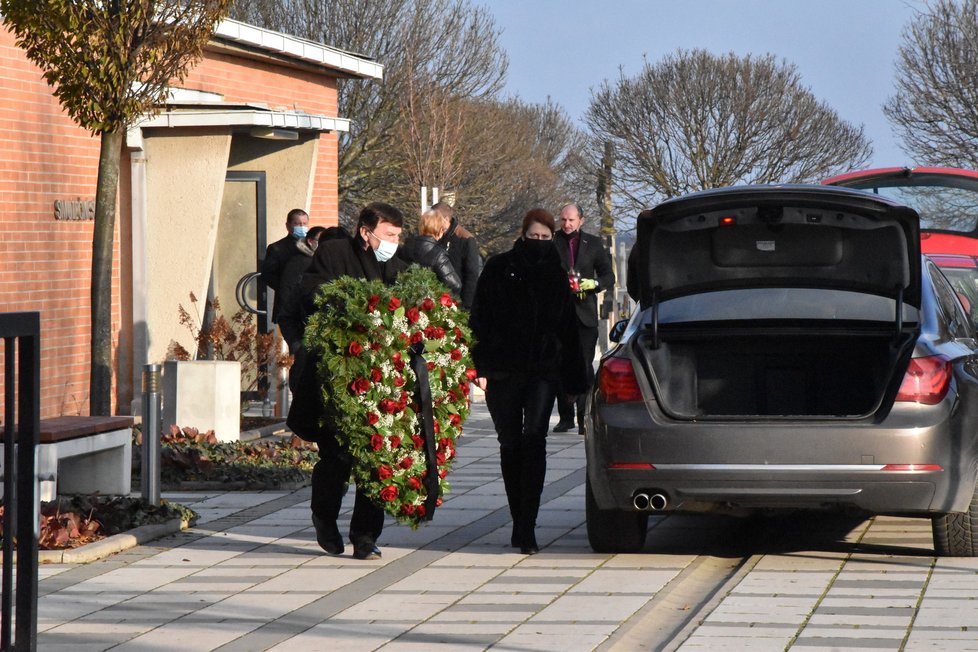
(947, 201)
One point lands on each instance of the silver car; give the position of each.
(792, 349)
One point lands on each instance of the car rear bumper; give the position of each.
(704, 466)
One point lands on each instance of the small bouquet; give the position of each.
(399, 426)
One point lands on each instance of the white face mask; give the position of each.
(385, 250)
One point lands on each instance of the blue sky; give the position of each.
(844, 49)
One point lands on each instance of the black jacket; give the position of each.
(592, 261)
(276, 255)
(463, 251)
(523, 320)
(425, 251)
(308, 416)
(291, 320)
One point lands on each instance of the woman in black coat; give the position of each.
(424, 250)
(526, 344)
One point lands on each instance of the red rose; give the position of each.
(455, 420)
(471, 374)
(389, 406)
(431, 366)
(360, 386)
(372, 303)
(407, 509)
(456, 354)
(436, 426)
(421, 511)
(439, 332)
(375, 346)
(438, 502)
(394, 304)
(441, 459)
(407, 462)
(376, 442)
(388, 493)
(446, 300)
(442, 473)
(395, 441)
(418, 441)
(429, 332)
(375, 375)
(399, 365)
(413, 315)
(385, 472)
(372, 418)
(398, 381)
(416, 336)
(444, 442)
(414, 483)
(355, 349)
(458, 333)
(427, 304)
(452, 396)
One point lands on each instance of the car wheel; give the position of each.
(613, 530)
(956, 535)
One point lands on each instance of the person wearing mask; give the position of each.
(291, 318)
(368, 255)
(589, 271)
(279, 252)
(526, 343)
(424, 250)
(463, 251)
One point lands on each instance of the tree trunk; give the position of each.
(100, 383)
(604, 189)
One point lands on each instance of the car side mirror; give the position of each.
(618, 330)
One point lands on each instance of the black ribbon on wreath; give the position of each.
(422, 396)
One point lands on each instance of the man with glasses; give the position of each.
(368, 255)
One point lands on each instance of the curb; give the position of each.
(111, 545)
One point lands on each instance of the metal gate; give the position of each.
(21, 334)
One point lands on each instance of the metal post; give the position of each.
(152, 425)
(283, 384)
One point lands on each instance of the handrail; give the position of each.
(240, 295)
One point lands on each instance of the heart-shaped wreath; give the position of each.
(398, 420)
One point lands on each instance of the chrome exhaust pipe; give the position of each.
(640, 501)
(657, 502)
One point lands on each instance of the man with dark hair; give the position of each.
(463, 252)
(279, 252)
(590, 271)
(368, 255)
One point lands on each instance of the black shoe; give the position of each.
(366, 550)
(529, 545)
(328, 536)
(564, 426)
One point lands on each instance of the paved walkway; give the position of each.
(250, 577)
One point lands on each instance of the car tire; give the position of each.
(956, 535)
(613, 530)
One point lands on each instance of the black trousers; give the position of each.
(520, 408)
(330, 479)
(565, 407)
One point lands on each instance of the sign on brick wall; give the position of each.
(74, 209)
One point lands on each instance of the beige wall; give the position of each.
(184, 186)
(289, 168)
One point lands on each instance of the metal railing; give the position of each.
(21, 334)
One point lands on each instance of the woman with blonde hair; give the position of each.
(423, 249)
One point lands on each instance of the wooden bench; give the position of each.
(83, 455)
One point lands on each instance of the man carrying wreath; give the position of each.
(368, 255)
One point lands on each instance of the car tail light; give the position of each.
(912, 467)
(616, 379)
(926, 381)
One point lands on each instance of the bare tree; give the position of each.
(110, 63)
(935, 108)
(448, 47)
(696, 120)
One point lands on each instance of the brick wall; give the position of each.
(45, 265)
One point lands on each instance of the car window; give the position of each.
(959, 323)
(940, 207)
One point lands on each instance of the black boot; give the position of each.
(533, 472)
(509, 462)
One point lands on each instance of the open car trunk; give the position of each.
(742, 371)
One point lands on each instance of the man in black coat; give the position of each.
(369, 255)
(463, 252)
(584, 255)
(279, 252)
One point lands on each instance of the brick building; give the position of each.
(250, 134)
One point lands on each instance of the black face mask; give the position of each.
(536, 250)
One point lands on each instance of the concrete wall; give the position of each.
(185, 182)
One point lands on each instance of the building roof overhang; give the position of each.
(294, 51)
